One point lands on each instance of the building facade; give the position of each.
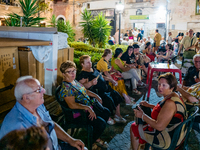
(165, 15)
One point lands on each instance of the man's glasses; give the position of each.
(70, 72)
(37, 91)
(197, 61)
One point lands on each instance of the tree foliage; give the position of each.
(66, 27)
(87, 25)
(63, 26)
(30, 9)
(95, 29)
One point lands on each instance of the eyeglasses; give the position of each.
(70, 72)
(37, 91)
(197, 61)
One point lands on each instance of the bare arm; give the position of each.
(167, 55)
(196, 46)
(146, 104)
(145, 51)
(187, 95)
(62, 135)
(92, 94)
(88, 84)
(118, 62)
(164, 117)
(180, 48)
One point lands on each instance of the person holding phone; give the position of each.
(111, 99)
(165, 116)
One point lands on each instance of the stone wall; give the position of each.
(183, 16)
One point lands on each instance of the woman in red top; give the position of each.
(165, 117)
(149, 52)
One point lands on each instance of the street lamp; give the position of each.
(119, 8)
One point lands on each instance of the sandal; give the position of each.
(136, 92)
(141, 85)
(132, 101)
(111, 122)
(102, 144)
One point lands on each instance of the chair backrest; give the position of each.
(185, 126)
(66, 110)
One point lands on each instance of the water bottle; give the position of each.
(155, 60)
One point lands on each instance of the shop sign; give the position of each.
(139, 17)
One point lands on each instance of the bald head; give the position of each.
(191, 33)
(24, 85)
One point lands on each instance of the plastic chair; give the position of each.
(188, 125)
(80, 122)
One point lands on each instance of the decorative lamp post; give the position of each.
(119, 8)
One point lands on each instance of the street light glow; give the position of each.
(161, 8)
(120, 7)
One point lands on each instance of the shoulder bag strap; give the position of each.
(78, 91)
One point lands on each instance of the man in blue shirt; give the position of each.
(29, 110)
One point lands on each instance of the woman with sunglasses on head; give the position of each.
(75, 96)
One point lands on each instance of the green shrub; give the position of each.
(66, 27)
(96, 29)
(30, 10)
(81, 48)
(85, 47)
(123, 47)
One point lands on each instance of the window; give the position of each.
(197, 7)
(160, 25)
(61, 19)
(137, 1)
(7, 2)
(139, 12)
(88, 5)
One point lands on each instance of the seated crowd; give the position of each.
(105, 84)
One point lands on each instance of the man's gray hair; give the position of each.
(195, 56)
(22, 88)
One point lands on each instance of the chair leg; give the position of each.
(72, 131)
(89, 137)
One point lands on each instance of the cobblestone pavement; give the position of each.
(122, 141)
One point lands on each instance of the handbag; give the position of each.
(115, 75)
(94, 102)
(146, 110)
(97, 105)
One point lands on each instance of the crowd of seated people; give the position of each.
(75, 96)
(29, 111)
(105, 83)
(92, 80)
(117, 79)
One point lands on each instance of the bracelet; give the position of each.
(142, 117)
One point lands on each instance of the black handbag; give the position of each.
(97, 105)
(146, 110)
